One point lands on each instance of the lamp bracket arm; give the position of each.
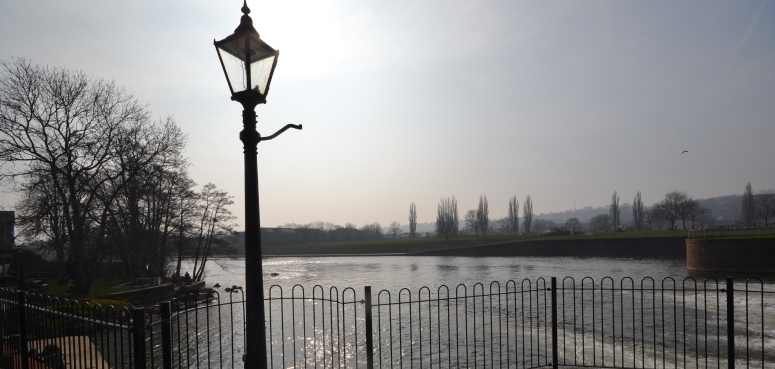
(294, 126)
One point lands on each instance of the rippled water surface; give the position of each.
(670, 311)
(395, 272)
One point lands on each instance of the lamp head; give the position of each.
(248, 62)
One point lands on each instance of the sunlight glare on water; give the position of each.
(395, 272)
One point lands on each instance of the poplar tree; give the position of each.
(412, 221)
(748, 206)
(637, 211)
(513, 217)
(483, 214)
(613, 211)
(527, 213)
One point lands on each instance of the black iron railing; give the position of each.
(609, 323)
(732, 232)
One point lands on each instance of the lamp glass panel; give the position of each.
(234, 66)
(261, 61)
(259, 74)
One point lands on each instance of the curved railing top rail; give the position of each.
(731, 232)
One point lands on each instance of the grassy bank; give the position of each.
(102, 286)
(408, 246)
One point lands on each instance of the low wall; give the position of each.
(160, 290)
(745, 255)
(191, 288)
(577, 247)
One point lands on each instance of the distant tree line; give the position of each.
(330, 232)
(759, 206)
(677, 210)
(99, 179)
(477, 221)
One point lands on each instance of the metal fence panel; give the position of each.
(525, 324)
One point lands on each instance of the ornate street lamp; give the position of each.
(249, 63)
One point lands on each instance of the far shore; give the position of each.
(643, 243)
(333, 255)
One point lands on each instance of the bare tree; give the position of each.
(765, 205)
(412, 221)
(543, 225)
(215, 227)
(483, 215)
(104, 176)
(691, 209)
(613, 211)
(185, 204)
(64, 127)
(655, 217)
(671, 208)
(573, 224)
(600, 223)
(472, 222)
(40, 219)
(704, 218)
(513, 216)
(648, 219)
(637, 211)
(454, 216)
(527, 213)
(442, 221)
(141, 214)
(447, 217)
(503, 226)
(748, 206)
(372, 231)
(395, 229)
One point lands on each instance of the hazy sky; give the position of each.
(406, 101)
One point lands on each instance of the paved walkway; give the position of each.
(79, 352)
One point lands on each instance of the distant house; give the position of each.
(279, 236)
(7, 235)
(345, 234)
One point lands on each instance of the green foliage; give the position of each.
(101, 286)
(403, 246)
(118, 304)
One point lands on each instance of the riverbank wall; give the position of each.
(624, 247)
(731, 255)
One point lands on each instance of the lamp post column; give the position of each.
(255, 342)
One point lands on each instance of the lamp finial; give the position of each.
(246, 24)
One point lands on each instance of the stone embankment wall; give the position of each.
(743, 255)
(577, 247)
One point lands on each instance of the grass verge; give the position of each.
(404, 245)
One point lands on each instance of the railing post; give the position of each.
(166, 334)
(138, 332)
(730, 324)
(21, 296)
(3, 320)
(369, 330)
(555, 355)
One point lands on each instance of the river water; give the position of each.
(396, 272)
(643, 312)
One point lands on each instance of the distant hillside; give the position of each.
(584, 214)
(726, 210)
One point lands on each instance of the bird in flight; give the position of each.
(684, 152)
